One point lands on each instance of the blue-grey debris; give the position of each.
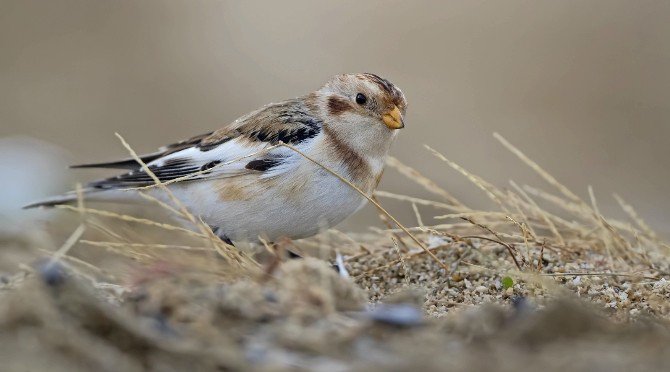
(404, 315)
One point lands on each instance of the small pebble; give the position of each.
(52, 273)
(404, 315)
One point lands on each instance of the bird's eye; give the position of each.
(361, 98)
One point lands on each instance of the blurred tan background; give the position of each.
(581, 86)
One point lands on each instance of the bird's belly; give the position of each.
(273, 212)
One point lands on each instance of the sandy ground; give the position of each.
(390, 315)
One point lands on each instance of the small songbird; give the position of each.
(244, 191)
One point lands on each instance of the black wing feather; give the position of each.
(296, 124)
(132, 164)
(121, 164)
(175, 168)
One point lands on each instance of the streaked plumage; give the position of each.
(347, 125)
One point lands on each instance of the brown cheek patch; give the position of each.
(337, 105)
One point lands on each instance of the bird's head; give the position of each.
(363, 109)
(365, 98)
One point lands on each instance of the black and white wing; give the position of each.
(230, 151)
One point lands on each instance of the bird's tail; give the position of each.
(89, 194)
(53, 201)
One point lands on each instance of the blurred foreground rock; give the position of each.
(305, 318)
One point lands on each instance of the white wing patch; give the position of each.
(235, 157)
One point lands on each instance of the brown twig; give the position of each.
(510, 249)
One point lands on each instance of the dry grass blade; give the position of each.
(483, 185)
(619, 241)
(472, 214)
(577, 210)
(104, 229)
(536, 167)
(78, 261)
(128, 218)
(516, 203)
(422, 180)
(630, 275)
(385, 220)
(449, 226)
(143, 245)
(616, 235)
(162, 204)
(594, 203)
(541, 212)
(386, 194)
(419, 220)
(69, 243)
(636, 218)
(525, 234)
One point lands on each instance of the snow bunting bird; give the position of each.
(347, 125)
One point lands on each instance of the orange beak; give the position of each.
(393, 119)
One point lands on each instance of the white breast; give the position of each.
(296, 200)
(321, 202)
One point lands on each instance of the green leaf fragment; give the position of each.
(507, 282)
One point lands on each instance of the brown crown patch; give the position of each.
(382, 83)
(394, 94)
(337, 105)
